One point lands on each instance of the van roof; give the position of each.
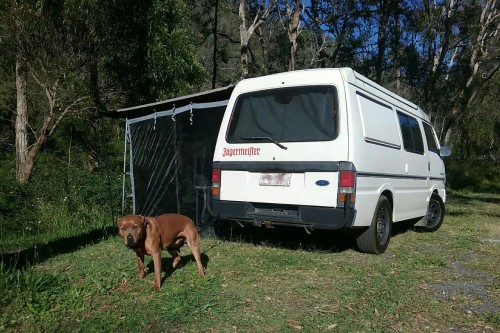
(356, 79)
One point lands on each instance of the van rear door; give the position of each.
(282, 146)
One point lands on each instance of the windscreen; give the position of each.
(306, 113)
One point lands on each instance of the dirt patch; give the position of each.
(476, 286)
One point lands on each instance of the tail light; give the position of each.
(347, 184)
(215, 183)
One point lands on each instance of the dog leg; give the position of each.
(195, 249)
(157, 264)
(177, 258)
(140, 264)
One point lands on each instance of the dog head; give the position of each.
(132, 229)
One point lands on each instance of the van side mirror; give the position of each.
(445, 151)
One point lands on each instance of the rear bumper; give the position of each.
(299, 216)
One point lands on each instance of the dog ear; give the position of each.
(144, 220)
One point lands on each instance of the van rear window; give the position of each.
(306, 113)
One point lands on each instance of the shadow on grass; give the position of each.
(335, 241)
(289, 238)
(166, 265)
(39, 253)
(467, 199)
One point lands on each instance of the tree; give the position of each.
(172, 66)
(37, 40)
(459, 40)
(481, 47)
(261, 14)
(337, 30)
(292, 25)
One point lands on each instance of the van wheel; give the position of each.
(376, 238)
(435, 213)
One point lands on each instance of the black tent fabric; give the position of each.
(170, 153)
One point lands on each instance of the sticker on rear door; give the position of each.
(230, 152)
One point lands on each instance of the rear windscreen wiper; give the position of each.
(265, 138)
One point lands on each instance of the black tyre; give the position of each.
(435, 214)
(376, 238)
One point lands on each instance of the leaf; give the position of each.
(294, 324)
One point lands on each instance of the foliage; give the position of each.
(424, 282)
(172, 66)
(477, 175)
(63, 199)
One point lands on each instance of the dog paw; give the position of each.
(176, 262)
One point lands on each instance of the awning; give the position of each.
(208, 96)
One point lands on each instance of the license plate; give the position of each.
(275, 179)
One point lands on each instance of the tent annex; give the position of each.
(168, 153)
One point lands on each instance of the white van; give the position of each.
(327, 149)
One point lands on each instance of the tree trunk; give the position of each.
(214, 59)
(93, 161)
(245, 33)
(23, 164)
(293, 33)
(243, 40)
(319, 54)
(384, 13)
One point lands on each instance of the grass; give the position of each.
(445, 281)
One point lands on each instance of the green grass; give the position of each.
(425, 282)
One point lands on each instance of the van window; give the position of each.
(430, 138)
(412, 136)
(306, 113)
(379, 124)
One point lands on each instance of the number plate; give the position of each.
(275, 179)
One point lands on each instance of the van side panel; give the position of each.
(382, 163)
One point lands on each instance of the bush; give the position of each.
(476, 175)
(60, 200)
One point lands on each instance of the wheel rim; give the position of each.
(383, 227)
(434, 213)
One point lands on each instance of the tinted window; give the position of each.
(430, 138)
(406, 131)
(417, 136)
(412, 136)
(287, 114)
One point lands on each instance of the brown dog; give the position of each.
(150, 235)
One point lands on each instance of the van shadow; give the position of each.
(292, 238)
(401, 228)
(39, 253)
(166, 264)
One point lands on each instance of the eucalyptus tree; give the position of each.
(257, 14)
(292, 22)
(337, 29)
(49, 82)
(458, 46)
